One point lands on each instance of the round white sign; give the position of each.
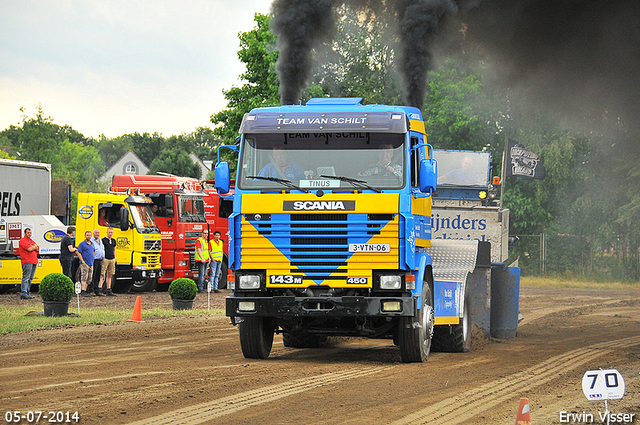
(605, 384)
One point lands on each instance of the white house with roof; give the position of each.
(129, 163)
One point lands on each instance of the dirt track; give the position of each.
(190, 370)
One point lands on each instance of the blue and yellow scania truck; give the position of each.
(330, 231)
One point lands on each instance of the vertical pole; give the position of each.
(503, 172)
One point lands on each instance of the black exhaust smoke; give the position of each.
(418, 23)
(300, 25)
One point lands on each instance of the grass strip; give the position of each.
(17, 319)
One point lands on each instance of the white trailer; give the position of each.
(25, 188)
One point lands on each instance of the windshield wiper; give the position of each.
(355, 182)
(285, 182)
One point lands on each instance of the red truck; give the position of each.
(181, 214)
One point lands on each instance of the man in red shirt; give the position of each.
(28, 251)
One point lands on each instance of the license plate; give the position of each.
(369, 247)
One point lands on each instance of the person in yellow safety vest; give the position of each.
(215, 247)
(202, 258)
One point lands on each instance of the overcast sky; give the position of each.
(114, 67)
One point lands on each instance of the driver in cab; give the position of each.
(281, 167)
(383, 167)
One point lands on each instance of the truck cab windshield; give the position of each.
(143, 218)
(462, 168)
(191, 209)
(309, 160)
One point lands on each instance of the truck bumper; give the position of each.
(146, 274)
(352, 306)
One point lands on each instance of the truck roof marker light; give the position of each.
(496, 181)
(396, 117)
(251, 117)
(482, 194)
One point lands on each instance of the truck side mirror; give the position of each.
(168, 200)
(222, 177)
(124, 219)
(428, 175)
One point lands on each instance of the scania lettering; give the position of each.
(355, 258)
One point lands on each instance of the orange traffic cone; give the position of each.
(137, 311)
(524, 413)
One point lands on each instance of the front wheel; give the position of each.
(415, 333)
(256, 337)
(144, 285)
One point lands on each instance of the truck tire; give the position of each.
(455, 338)
(121, 285)
(224, 271)
(144, 285)
(302, 341)
(5, 288)
(256, 337)
(415, 333)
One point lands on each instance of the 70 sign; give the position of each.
(603, 385)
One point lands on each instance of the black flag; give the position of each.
(521, 162)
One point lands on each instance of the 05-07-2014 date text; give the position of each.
(35, 416)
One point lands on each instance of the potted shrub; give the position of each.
(56, 291)
(182, 292)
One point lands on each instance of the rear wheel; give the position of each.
(256, 337)
(455, 338)
(415, 333)
(224, 272)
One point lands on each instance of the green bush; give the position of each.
(183, 289)
(56, 287)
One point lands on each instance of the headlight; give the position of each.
(390, 282)
(391, 306)
(246, 306)
(182, 263)
(249, 281)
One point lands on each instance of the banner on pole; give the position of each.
(521, 162)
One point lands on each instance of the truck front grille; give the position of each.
(153, 245)
(318, 244)
(190, 238)
(153, 261)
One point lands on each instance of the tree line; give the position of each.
(589, 202)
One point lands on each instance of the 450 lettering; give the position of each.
(357, 280)
(285, 279)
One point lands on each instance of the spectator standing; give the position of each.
(98, 249)
(109, 262)
(28, 250)
(202, 258)
(215, 248)
(67, 249)
(86, 255)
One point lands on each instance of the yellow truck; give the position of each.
(138, 239)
